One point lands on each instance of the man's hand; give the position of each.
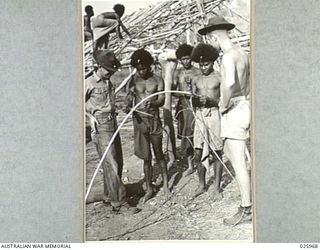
(126, 109)
(93, 123)
(147, 104)
(203, 100)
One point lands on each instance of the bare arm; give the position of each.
(124, 28)
(228, 82)
(92, 120)
(161, 98)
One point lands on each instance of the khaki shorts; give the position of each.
(207, 128)
(235, 123)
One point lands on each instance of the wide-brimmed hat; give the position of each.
(216, 23)
(106, 59)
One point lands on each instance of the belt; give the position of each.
(238, 98)
(105, 115)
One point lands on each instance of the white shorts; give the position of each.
(235, 123)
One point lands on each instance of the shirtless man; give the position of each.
(86, 22)
(146, 119)
(234, 109)
(182, 81)
(106, 23)
(206, 87)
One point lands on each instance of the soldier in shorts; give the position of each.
(234, 109)
(206, 87)
(146, 119)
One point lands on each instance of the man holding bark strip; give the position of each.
(146, 119)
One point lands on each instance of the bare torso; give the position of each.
(208, 86)
(241, 69)
(184, 78)
(143, 88)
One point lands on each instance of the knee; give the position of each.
(197, 156)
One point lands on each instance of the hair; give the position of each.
(184, 50)
(119, 9)
(204, 52)
(88, 9)
(141, 57)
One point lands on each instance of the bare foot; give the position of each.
(189, 171)
(170, 164)
(147, 196)
(199, 191)
(166, 192)
(216, 196)
(159, 180)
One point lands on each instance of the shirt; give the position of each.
(100, 95)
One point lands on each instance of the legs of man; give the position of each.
(156, 141)
(218, 175)
(201, 172)
(169, 130)
(235, 150)
(114, 189)
(148, 179)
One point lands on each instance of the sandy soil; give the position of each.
(179, 218)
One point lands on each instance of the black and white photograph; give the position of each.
(168, 138)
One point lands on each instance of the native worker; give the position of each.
(146, 119)
(100, 108)
(106, 23)
(183, 79)
(206, 87)
(86, 23)
(234, 108)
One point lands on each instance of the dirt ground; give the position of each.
(179, 218)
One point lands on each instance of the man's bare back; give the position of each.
(235, 63)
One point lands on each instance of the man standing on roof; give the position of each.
(182, 81)
(106, 23)
(206, 87)
(234, 108)
(101, 111)
(86, 23)
(146, 119)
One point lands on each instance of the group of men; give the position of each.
(213, 116)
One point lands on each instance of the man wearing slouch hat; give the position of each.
(234, 109)
(101, 110)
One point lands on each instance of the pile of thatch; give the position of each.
(173, 22)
